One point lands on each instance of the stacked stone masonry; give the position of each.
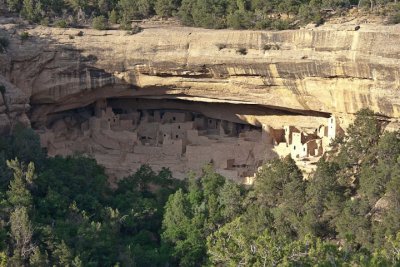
(122, 139)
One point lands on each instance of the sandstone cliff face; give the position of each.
(332, 69)
(266, 79)
(14, 103)
(13, 107)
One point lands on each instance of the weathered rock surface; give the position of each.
(13, 106)
(269, 79)
(331, 69)
(14, 103)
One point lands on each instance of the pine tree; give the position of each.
(113, 17)
(21, 234)
(230, 200)
(166, 8)
(38, 259)
(63, 254)
(18, 195)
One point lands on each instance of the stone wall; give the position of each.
(160, 138)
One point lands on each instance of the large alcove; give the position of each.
(124, 133)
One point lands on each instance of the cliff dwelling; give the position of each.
(124, 133)
(115, 96)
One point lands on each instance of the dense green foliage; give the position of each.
(348, 213)
(238, 14)
(100, 23)
(62, 212)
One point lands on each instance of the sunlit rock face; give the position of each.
(288, 78)
(13, 106)
(331, 69)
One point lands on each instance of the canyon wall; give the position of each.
(270, 80)
(310, 72)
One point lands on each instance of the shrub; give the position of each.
(394, 19)
(3, 44)
(311, 13)
(100, 23)
(280, 24)
(62, 23)
(136, 29)
(221, 46)
(31, 11)
(271, 47)
(45, 22)
(240, 20)
(242, 51)
(113, 17)
(24, 36)
(166, 8)
(263, 24)
(125, 25)
(90, 58)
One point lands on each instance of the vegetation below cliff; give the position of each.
(61, 211)
(243, 14)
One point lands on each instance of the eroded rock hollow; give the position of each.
(124, 133)
(238, 97)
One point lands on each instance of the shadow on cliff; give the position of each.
(58, 76)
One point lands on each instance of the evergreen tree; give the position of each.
(32, 10)
(14, 5)
(183, 230)
(113, 17)
(18, 193)
(209, 14)
(325, 199)
(25, 145)
(166, 8)
(38, 259)
(230, 200)
(185, 12)
(21, 234)
(353, 225)
(379, 166)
